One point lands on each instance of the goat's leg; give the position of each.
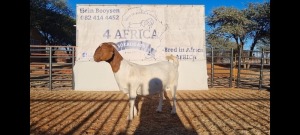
(132, 108)
(161, 98)
(173, 92)
(135, 112)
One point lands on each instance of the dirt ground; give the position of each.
(215, 111)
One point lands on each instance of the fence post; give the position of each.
(239, 67)
(73, 63)
(261, 69)
(231, 67)
(212, 68)
(50, 68)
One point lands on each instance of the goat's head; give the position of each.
(105, 52)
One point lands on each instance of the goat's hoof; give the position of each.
(158, 110)
(129, 119)
(173, 112)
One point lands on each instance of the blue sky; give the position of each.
(209, 5)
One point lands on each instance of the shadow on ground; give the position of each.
(228, 111)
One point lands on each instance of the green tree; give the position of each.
(54, 20)
(230, 23)
(259, 14)
(215, 41)
(219, 43)
(263, 44)
(242, 25)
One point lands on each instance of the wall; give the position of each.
(144, 34)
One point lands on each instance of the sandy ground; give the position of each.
(215, 111)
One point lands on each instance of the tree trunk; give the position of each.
(252, 47)
(237, 51)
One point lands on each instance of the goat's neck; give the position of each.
(115, 63)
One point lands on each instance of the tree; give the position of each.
(219, 42)
(53, 19)
(263, 44)
(259, 14)
(230, 23)
(241, 25)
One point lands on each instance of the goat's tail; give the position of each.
(174, 58)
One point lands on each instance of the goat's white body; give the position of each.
(134, 79)
(145, 79)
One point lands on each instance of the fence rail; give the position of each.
(243, 70)
(52, 67)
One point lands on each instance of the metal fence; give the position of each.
(51, 67)
(243, 69)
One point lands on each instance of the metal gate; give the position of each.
(52, 67)
(227, 68)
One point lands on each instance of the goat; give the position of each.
(134, 79)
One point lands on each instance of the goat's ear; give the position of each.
(113, 47)
(113, 44)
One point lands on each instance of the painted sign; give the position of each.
(144, 34)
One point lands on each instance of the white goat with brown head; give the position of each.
(134, 79)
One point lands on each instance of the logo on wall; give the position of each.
(140, 29)
(147, 51)
(146, 23)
